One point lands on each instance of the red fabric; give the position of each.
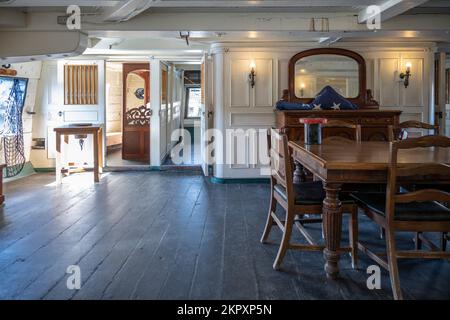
(313, 120)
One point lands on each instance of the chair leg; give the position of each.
(418, 241)
(353, 236)
(392, 263)
(444, 241)
(284, 245)
(269, 222)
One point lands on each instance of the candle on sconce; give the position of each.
(408, 66)
(404, 76)
(302, 89)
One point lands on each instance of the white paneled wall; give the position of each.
(389, 90)
(238, 106)
(51, 112)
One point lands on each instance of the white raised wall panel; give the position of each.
(243, 107)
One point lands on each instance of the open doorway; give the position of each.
(128, 114)
(187, 95)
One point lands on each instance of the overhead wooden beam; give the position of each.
(40, 45)
(390, 9)
(126, 10)
(12, 18)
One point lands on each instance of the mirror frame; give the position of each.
(360, 100)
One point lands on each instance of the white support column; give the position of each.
(155, 103)
(219, 113)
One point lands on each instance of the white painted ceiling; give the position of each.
(143, 38)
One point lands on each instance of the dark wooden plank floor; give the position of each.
(156, 235)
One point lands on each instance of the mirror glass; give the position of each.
(313, 73)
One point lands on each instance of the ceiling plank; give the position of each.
(127, 10)
(60, 3)
(264, 3)
(390, 9)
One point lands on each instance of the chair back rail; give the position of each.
(394, 131)
(424, 169)
(344, 124)
(423, 195)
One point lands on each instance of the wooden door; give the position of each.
(136, 112)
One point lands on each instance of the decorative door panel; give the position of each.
(136, 112)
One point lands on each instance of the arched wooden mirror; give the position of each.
(136, 111)
(344, 70)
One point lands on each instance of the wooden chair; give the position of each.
(298, 200)
(396, 135)
(395, 132)
(339, 124)
(416, 211)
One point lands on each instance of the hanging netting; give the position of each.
(12, 133)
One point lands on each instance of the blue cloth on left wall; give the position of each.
(284, 105)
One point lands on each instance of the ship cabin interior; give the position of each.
(233, 149)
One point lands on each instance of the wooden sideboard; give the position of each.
(374, 123)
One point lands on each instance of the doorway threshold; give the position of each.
(130, 168)
(187, 167)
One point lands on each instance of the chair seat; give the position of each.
(309, 193)
(412, 211)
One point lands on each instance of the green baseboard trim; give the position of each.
(44, 169)
(155, 168)
(239, 180)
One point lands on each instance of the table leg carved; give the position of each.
(332, 226)
(299, 173)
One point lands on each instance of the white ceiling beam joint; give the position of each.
(389, 9)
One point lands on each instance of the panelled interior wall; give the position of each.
(238, 106)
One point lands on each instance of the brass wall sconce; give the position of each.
(252, 74)
(405, 75)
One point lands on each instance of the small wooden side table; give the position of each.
(2, 197)
(96, 131)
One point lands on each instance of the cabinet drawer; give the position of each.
(377, 121)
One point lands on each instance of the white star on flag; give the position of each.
(336, 106)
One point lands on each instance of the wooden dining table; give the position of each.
(338, 161)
